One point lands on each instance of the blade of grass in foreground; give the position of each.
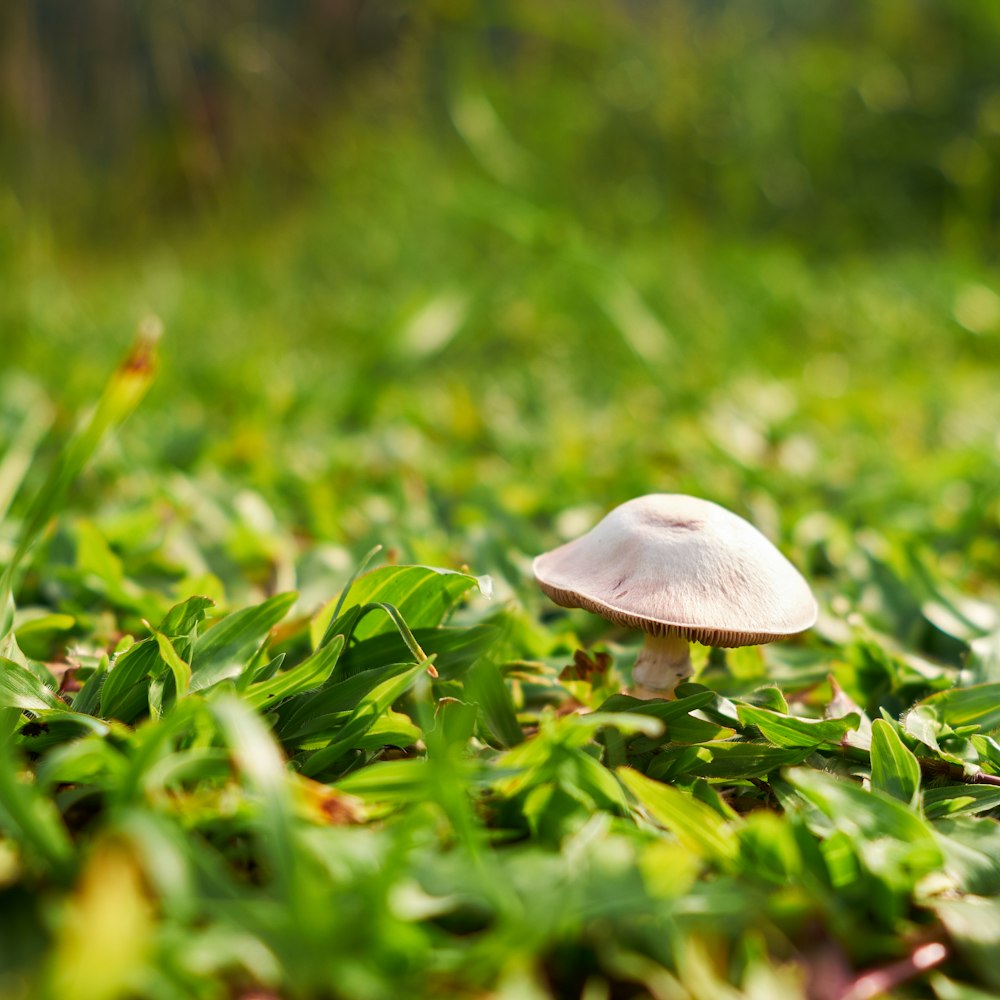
(30, 818)
(17, 459)
(121, 395)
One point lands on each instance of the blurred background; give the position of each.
(458, 276)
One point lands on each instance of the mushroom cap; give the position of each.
(670, 564)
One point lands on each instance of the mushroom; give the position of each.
(680, 569)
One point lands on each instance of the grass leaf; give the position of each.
(361, 720)
(121, 395)
(895, 770)
(789, 731)
(978, 706)
(311, 673)
(696, 825)
(222, 651)
(31, 819)
(422, 595)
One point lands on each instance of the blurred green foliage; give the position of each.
(841, 125)
(564, 229)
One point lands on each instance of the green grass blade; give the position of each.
(31, 818)
(222, 649)
(895, 769)
(404, 630)
(306, 676)
(262, 769)
(974, 925)
(180, 669)
(424, 595)
(305, 715)
(373, 705)
(456, 649)
(726, 760)
(952, 800)
(330, 612)
(971, 706)
(788, 731)
(485, 687)
(124, 692)
(696, 825)
(23, 690)
(858, 813)
(17, 458)
(121, 395)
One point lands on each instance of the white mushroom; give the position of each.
(680, 569)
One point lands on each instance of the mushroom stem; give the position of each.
(663, 662)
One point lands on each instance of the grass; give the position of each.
(245, 750)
